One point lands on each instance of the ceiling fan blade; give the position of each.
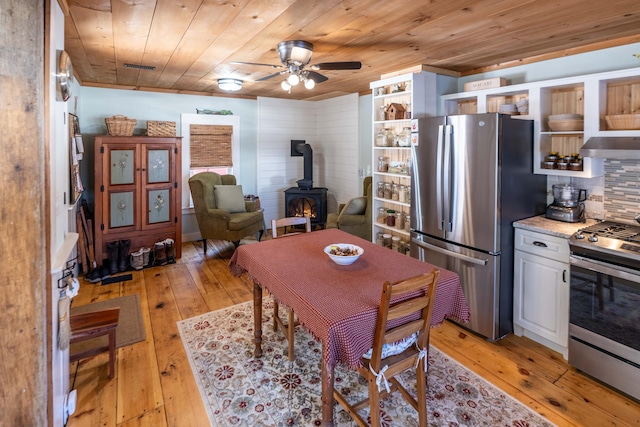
(353, 65)
(270, 76)
(255, 63)
(316, 77)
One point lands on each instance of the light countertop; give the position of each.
(551, 227)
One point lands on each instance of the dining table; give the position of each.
(337, 304)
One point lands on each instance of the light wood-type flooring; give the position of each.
(154, 386)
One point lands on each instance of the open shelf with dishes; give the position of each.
(566, 113)
(396, 100)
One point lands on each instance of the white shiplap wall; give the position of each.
(329, 126)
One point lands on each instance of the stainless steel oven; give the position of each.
(604, 304)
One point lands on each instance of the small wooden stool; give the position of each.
(95, 324)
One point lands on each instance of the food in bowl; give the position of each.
(343, 253)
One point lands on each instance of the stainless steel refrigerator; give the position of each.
(472, 177)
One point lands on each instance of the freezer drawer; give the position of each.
(479, 276)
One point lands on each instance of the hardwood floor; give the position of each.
(153, 385)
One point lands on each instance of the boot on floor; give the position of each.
(113, 249)
(123, 255)
(170, 250)
(159, 253)
(146, 252)
(137, 260)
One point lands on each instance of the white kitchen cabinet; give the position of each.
(414, 94)
(541, 289)
(594, 96)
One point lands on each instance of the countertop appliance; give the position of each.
(472, 176)
(604, 300)
(567, 203)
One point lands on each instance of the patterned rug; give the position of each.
(239, 390)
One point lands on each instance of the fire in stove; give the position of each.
(303, 207)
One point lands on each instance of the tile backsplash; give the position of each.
(614, 196)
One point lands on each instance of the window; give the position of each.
(210, 144)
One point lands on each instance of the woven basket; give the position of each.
(120, 125)
(623, 121)
(159, 128)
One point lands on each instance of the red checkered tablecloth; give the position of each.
(338, 304)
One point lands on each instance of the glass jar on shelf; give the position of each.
(399, 220)
(380, 138)
(402, 193)
(383, 164)
(382, 113)
(387, 190)
(407, 222)
(404, 137)
(386, 238)
(395, 243)
(381, 218)
(394, 191)
(379, 238)
(380, 190)
(389, 137)
(391, 217)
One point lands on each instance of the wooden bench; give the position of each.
(94, 324)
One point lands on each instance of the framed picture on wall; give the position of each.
(76, 152)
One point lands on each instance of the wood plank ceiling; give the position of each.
(192, 43)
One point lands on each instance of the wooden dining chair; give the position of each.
(283, 223)
(399, 348)
(86, 326)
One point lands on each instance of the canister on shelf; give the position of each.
(389, 138)
(404, 137)
(394, 191)
(381, 218)
(402, 193)
(380, 190)
(379, 238)
(395, 243)
(399, 220)
(380, 138)
(387, 190)
(383, 164)
(407, 222)
(391, 217)
(408, 194)
(386, 238)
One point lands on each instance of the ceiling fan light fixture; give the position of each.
(230, 85)
(293, 79)
(309, 84)
(285, 85)
(295, 51)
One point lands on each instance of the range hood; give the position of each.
(612, 147)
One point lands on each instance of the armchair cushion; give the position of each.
(230, 198)
(355, 206)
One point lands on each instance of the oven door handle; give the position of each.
(605, 268)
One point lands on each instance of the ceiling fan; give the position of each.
(295, 56)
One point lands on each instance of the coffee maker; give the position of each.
(567, 203)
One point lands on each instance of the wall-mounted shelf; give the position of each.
(594, 96)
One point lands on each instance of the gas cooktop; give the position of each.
(614, 238)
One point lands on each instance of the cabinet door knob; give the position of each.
(540, 244)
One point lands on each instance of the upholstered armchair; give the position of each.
(221, 210)
(354, 217)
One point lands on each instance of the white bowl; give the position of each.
(344, 259)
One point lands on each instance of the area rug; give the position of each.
(130, 327)
(239, 390)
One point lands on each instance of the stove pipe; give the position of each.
(300, 148)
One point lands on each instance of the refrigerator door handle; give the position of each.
(439, 172)
(434, 248)
(448, 173)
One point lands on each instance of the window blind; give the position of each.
(210, 145)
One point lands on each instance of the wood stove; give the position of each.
(310, 202)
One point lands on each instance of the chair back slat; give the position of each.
(288, 222)
(414, 295)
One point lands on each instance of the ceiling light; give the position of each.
(293, 79)
(285, 85)
(309, 84)
(230, 84)
(295, 51)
